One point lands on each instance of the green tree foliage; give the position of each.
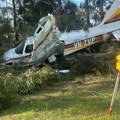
(97, 9)
(32, 10)
(70, 8)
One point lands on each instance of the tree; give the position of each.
(87, 12)
(103, 4)
(14, 14)
(59, 5)
(33, 10)
(69, 7)
(94, 10)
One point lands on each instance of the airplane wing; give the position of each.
(43, 30)
(46, 41)
(49, 48)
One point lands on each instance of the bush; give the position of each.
(25, 82)
(48, 76)
(34, 79)
(11, 87)
(8, 90)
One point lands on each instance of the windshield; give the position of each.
(19, 48)
(29, 48)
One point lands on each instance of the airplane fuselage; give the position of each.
(79, 39)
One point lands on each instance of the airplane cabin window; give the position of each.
(39, 30)
(19, 48)
(29, 48)
(63, 41)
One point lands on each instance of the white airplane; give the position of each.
(47, 41)
(45, 44)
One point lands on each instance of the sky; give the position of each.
(9, 2)
(77, 1)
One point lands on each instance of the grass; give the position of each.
(74, 98)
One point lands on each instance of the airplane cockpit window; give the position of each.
(29, 48)
(39, 30)
(19, 48)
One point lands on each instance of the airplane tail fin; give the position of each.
(113, 14)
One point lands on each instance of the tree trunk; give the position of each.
(59, 4)
(7, 9)
(101, 9)
(87, 12)
(14, 14)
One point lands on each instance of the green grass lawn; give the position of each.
(74, 98)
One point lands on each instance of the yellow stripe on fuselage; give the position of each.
(114, 14)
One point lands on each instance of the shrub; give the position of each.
(11, 87)
(48, 75)
(26, 81)
(8, 90)
(34, 79)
